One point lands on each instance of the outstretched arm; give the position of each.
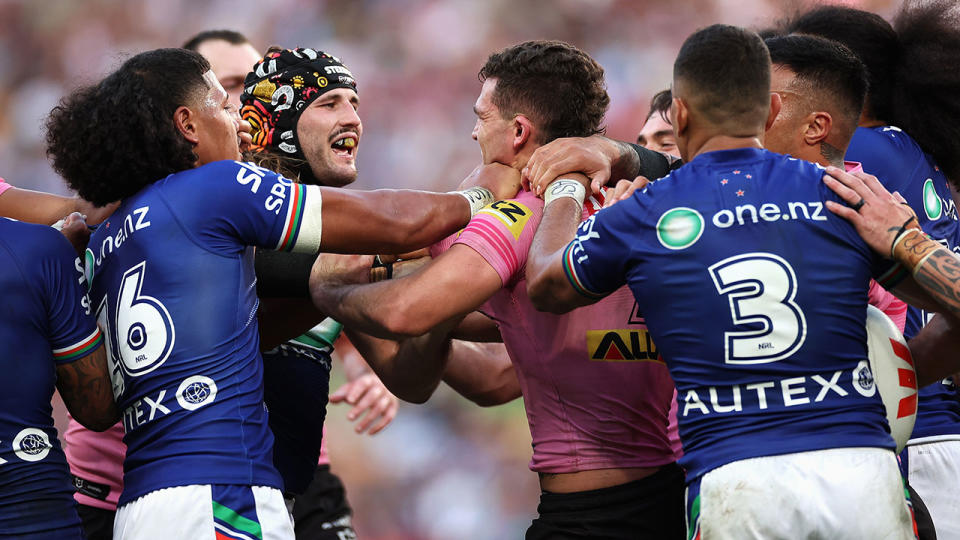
(46, 208)
(86, 390)
(396, 221)
(454, 284)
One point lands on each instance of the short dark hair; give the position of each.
(230, 36)
(726, 70)
(660, 104)
(869, 36)
(829, 73)
(558, 86)
(128, 139)
(911, 83)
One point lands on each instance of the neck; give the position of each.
(724, 142)
(522, 157)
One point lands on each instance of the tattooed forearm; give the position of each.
(85, 388)
(939, 275)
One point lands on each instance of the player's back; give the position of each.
(35, 489)
(901, 165)
(756, 296)
(173, 282)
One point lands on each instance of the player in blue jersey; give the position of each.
(909, 138)
(756, 297)
(48, 338)
(172, 283)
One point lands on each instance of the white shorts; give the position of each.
(933, 469)
(840, 493)
(205, 512)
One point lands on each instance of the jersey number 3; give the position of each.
(760, 288)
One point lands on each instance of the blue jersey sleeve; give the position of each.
(73, 332)
(229, 204)
(882, 154)
(595, 262)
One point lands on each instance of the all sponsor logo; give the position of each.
(622, 346)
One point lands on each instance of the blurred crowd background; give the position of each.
(447, 469)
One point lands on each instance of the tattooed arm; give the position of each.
(887, 223)
(85, 388)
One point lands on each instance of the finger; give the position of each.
(368, 400)
(357, 390)
(843, 211)
(340, 394)
(899, 198)
(600, 180)
(847, 194)
(608, 196)
(385, 419)
(872, 183)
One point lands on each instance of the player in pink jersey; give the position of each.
(595, 389)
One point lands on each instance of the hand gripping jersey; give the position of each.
(46, 322)
(755, 295)
(901, 165)
(173, 287)
(594, 386)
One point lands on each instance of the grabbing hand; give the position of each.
(330, 268)
(624, 190)
(373, 405)
(503, 181)
(593, 156)
(878, 215)
(74, 227)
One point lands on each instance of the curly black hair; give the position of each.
(111, 139)
(558, 86)
(912, 83)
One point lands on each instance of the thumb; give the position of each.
(599, 181)
(340, 394)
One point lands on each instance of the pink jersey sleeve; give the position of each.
(4, 186)
(889, 304)
(96, 460)
(502, 233)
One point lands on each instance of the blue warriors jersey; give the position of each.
(174, 289)
(46, 322)
(756, 296)
(901, 165)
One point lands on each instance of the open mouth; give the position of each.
(345, 146)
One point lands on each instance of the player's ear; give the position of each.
(522, 131)
(818, 127)
(679, 116)
(776, 103)
(185, 121)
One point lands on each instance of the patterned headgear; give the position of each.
(281, 85)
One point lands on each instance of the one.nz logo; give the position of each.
(931, 201)
(679, 228)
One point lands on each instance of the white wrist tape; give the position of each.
(565, 187)
(478, 197)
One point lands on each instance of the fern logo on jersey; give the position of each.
(679, 228)
(931, 201)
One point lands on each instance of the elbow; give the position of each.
(98, 421)
(543, 293)
(401, 319)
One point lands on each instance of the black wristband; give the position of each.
(653, 165)
(388, 267)
(283, 275)
(903, 229)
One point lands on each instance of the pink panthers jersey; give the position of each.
(96, 460)
(597, 393)
(4, 186)
(324, 456)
